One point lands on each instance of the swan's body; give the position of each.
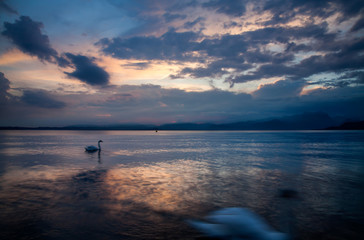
(237, 223)
(93, 148)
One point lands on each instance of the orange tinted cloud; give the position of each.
(14, 56)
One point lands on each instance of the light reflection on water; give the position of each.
(144, 185)
(126, 152)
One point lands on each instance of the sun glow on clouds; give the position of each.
(136, 72)
(128, 71)
(144, 54)
(104, 115)
(13, 56)
(43, 76)
(311, 88)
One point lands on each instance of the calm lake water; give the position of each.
(145, 185)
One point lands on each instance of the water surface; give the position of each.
(145, 185)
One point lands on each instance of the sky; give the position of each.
(175, 61)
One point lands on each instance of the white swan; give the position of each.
(237, 223)
(93, 148)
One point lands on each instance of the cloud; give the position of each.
(243, 51)
(170, 46)
(137, 65)
(214, 69)
(285, 10)
(298, 41)
(191, 24)
(26, 34)
(4, 87)
(86, 70)
(34, 105)
(159, 104)
(234, 8)
(358, 25)
(284, 89)
(349, 57)
(155, 104)
(344, 101)
(169, 17)
(156, 17)
(6, 8)
(346, 79)
(42, 99)
(151, 16)
(240, 52)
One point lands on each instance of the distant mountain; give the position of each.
(349, 126)
(111, 127)
(305, 121)
(87, 127)
(188, 126)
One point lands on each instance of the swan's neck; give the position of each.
(99, 146)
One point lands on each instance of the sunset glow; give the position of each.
(171, 61)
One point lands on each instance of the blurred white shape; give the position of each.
(237, 223)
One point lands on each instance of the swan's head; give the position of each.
(100, 141)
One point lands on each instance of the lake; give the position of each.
(145, 184)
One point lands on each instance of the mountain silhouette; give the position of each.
(304, 121)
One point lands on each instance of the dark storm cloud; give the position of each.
(170, 46)
(6, 8)
(86, 70)
(4, 87)
(26, 34)
(41, 98)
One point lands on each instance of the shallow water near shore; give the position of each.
(145, 184)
